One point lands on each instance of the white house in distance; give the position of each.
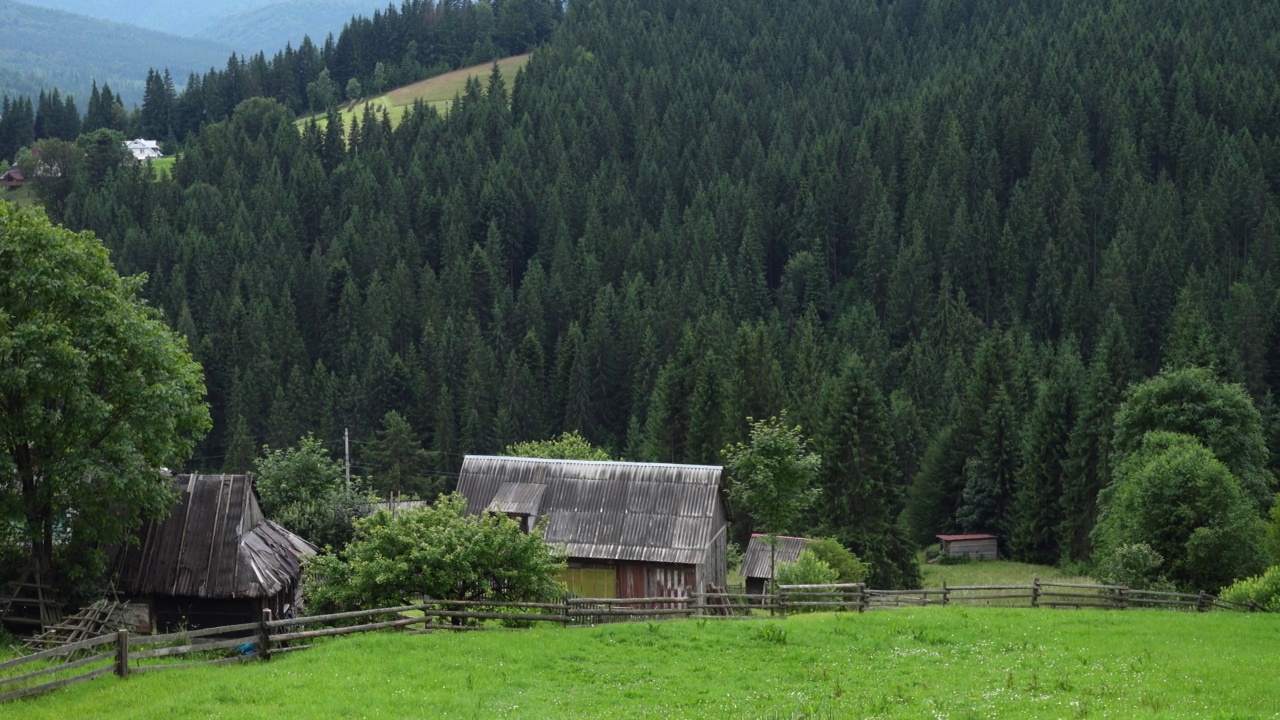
(143, 150)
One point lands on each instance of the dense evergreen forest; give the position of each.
(944, 236)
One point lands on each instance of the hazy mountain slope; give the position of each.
(269, 28)
(178, 17)
(50, 48)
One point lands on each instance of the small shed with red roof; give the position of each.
(974, 547)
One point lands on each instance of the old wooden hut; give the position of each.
(630, 529)
(214, 560)
(975, 547)
(756, 570)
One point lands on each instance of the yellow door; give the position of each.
(591, 582)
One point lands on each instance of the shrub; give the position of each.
(1263, 589)
(849, 569)
(1134, 565)
(437, 552)
(807, 570)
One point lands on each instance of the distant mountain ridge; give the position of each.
(245, 26)
(46, 48)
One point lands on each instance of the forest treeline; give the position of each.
(393, 47)
(944, 236)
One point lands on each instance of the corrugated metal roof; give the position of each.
(978, 536)
(755, 562)
(215, 543)
(645, 512)
(515, 497)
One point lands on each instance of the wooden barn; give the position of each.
(214, 560)
(975, 547)
(755, 562)
(630, 529)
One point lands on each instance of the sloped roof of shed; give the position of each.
(215, 543)
(647, 512)
(755, 561)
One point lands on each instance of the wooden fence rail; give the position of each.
(124, 654)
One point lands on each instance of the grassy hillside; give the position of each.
(51, 48)
(937, 662)
(437, 91)
(1000, 572)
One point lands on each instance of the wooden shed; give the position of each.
(976, 547)
(756, 570)
(214, 560)
(630, 529)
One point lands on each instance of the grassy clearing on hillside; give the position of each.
(437, 91)
(163, 166)
(994, 572)
(931, 662)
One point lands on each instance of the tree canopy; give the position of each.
(438, 551)
(1172, 494)
(97, 394)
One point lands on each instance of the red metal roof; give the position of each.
(952, 538)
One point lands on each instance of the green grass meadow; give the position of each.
(952, 662)
(438, 91)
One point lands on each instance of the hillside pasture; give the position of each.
(928, 662)
(438, 92)
(993, 572)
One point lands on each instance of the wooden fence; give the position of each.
(124, 654)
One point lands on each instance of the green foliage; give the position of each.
(1273, 531)
(771, 633)
(1263, 589)
(1173, 495)
(568, 446)
(770, 476)
(1219, 415)
(305, 490)
(439, 552)
(808, 569)
(734, 555)
(399, 460)
(848, 568)
(862, 494)
(96, 394)
(1133, 565)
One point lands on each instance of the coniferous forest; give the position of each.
(945, 237)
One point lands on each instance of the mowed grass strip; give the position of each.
(437, 91)
(994, 572)
(949, 662)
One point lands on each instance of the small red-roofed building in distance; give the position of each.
(974, 547)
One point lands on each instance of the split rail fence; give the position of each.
(125, 654)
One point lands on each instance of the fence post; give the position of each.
(1122, 597)
(122, 653)
(1200, 601)
(782, 603)
(264, 635)
(1035, 592)
(862, 597)
(699, 604)
(945, 592)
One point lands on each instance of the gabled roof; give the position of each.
(646, 512)
(215, 543)
(755, 561)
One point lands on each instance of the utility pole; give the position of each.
(346, 451)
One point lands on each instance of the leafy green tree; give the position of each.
(1220, 415)
(438, 551)
(53, 168)
(305, 490)
(568, 446)
(1172, 494)
(398, 460)
(849, 569)
(104, 151)
(97, 394)
(771, 477)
